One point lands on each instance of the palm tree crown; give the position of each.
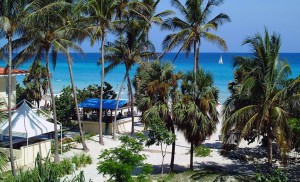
(257, 108)
(196, 25)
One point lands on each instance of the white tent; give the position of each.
(26, 123)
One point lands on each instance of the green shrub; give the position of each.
(77, 139)
(121, 161)
(76, 161)
(66, 165)
(202, 151)
(89, 135)
(82, 159)
(276, 175)
(88, 159)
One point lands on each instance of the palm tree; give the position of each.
(12, 14)
(129, 50)
(259, 105)
(151, 17)
(46, 34)
(101, 14)
(196, 25)
(155, 85)
(36, 82)
(195, 113)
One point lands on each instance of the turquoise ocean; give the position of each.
(86, 71)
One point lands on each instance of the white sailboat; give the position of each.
(221, 60)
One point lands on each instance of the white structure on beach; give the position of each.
(27, 128)
(4, 88)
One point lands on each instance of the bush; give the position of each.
(202, 151)
(66, 165)
(51, 172)
(121, 161)
(276, 175)
(87, 136)
(76, 161)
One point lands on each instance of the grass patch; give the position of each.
(202, 151)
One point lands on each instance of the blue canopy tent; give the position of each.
(94, 103)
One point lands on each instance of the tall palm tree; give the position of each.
(46, 34)
(74, 32)
(12, 14)
(100, 17)
(195, 113)
(259, 105)
(152, 17)
(195, 26)
(155, 85)
(129, 50)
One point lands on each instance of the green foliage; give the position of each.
(120, 162)
(76, 161)
(202, 151)
(66, 147)
(93, 91)
(87, 136)
(21, 94)
(158, 133)
(47, 171)
(276, 175)
(294, 124)
(36, 82)
(65, 105)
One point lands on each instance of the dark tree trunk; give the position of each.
(269, 148)
(56, 157)
(173, 150)
(192, 157)
(117, 105)
(131, 102)
(11, 153)
(85, 148)
(101, 92)
(195, 62)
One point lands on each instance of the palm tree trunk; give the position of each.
(117, 105)
(131, 101)
(173, 149)
(147, 38)
(192, 156)
(195, 62)
(12, 160)
(198, 56)
(270, 151)
(56, 157)
(101, 92)
(85, 148)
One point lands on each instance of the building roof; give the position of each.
(94, 103)
(4, 72)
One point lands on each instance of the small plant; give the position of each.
(76, 161)
(66, 165)
(89, 136)
(88, 159)
(120, 162)
(77, 139)
(82, 160)
(202, 151)
(276, 175)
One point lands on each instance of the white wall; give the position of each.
(3, 95)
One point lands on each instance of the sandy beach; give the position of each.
(154, 157)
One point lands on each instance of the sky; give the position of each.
(247, 18)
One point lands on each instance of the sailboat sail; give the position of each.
(220, 60)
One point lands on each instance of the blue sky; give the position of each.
(248, 17)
